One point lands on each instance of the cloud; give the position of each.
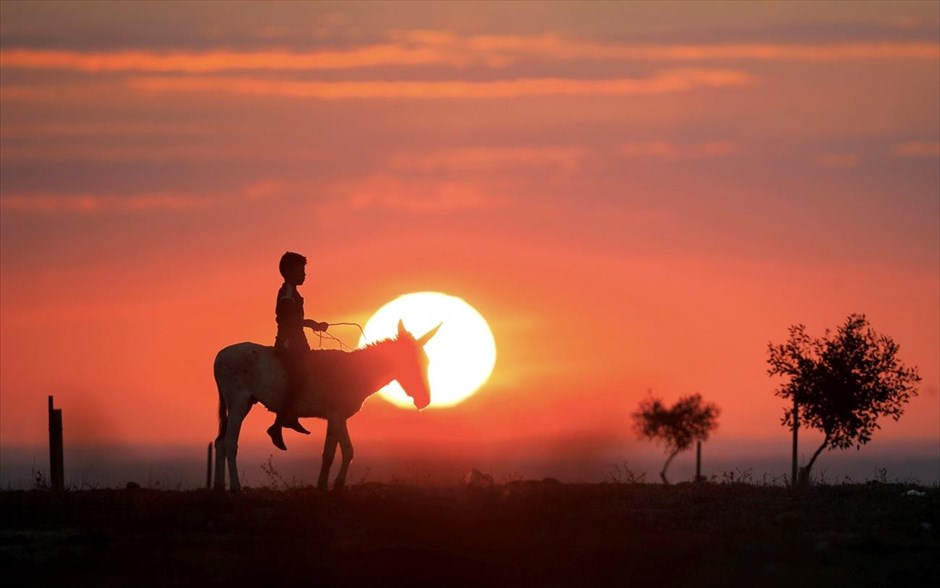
(93, 203)
(211, 151)
(917, 149)
(52, 92)
(264, 190)
(563, 48)
(41, 128)
(444, 48)
(837, 160)
(669, 151)
(219, 61)
(418, 196)
(665, 82)
(476, 159)
(906, 22)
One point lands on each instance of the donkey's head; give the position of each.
(412, 365)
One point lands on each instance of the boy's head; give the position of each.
(292, 268)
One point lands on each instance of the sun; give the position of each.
(462, 353)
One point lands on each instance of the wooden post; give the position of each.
(56, 460)
(209, 467)
(794, 470)
(698, 461)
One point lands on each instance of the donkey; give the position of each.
(337, 385)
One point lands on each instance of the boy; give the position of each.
(291, 343)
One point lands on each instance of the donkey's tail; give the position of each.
(223, 411)
(223, 417)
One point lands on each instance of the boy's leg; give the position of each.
(296, 381)
(294, 370)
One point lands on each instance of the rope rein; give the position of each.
(343, 346)
(357, 325)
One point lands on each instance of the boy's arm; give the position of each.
(312, 324)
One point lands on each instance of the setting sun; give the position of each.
(461, 354)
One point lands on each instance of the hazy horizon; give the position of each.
(761, 461)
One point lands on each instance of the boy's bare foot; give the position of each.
(294, 425)
(277, 437)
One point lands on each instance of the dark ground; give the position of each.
(519, 534)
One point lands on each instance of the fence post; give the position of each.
(209, 467)
(56, 460)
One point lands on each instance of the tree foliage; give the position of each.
(690, 419)
(842, 382)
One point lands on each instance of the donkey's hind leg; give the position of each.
(346, 446)
(219, 481)
(236, 415)
(329, 452)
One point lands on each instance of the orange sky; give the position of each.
(635, 195)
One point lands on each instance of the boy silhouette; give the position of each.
(291, 343)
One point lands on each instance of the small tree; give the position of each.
(841, 383)
(689, 420)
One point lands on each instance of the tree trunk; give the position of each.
(698, 462)
(804, 471)
(662, 474)
(794, 468)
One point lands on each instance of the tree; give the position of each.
(841, 384)
(678, 427)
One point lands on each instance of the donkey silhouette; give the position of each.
(338, 384)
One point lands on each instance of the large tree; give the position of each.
(690, 419)
(841, 383)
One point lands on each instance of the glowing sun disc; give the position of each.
(461, 355)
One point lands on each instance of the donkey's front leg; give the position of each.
(329, 452)
(346, 445)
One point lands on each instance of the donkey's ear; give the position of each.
(401, 329)
(427, 336)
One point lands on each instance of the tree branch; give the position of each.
(809, 466)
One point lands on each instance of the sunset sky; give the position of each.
(635, 195)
